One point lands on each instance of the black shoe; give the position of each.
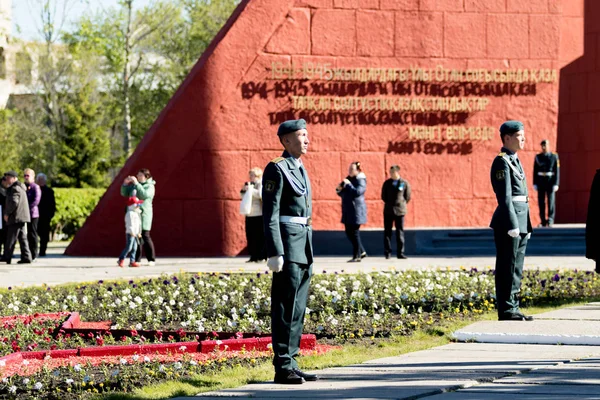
(288, 377)
(42, 255)
(23, 262)
(363, 255)
(515, 317)
(307, 377)
(355, 260)
(6, 260)
(387, 256)
(402, 257)
(251, 260)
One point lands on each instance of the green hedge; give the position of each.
(73, 206)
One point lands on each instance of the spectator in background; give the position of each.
(592, 226)
(34, 195)
(354, 208)
(255, 233)
(16, 216)
(142, 187)
(395, 194)
(47, 209)
(2, 205)
(133, 231)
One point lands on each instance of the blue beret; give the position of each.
(510, 127)
(290, 126)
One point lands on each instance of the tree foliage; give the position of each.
(101, 84)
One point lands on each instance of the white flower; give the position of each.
(2, 363)
(135, 357)
(25, 381)
(138, 326)
(193, 362)
(123, 361)
(69, 381)
(182, 348)
(12, 389)
(161, 368)
(37, 386)
(146, 359)
(178, 365)
(4, 380)
(270, 346)
(25, 362)
(377, 317)
(219, 342)
(172, 302)
(77, 367)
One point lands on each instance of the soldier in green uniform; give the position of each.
(511, 222)
(546, 178)
(287, 211)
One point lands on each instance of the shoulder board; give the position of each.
(501, 154)
(277, 160)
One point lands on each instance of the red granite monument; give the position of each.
(420, 83)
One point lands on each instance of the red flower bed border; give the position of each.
(74, 325)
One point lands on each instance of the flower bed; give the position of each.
(340, 306)
(84, 377)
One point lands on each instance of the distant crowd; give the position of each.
(27, 209)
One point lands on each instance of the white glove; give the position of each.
(514, 232)
(528, 236)
(535, 187)
(275, 263)
(555, 188)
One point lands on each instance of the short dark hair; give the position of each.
(146, 172)
(504, 134)
(357, 163)
(395, 167)
(544, 142)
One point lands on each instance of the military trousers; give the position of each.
(289, 293)
(17, 232)
(545, 191)
(510, 255)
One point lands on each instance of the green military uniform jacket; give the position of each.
(546, 170)
(508, 181)
(286, 191)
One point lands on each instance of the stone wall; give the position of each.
(276, 59)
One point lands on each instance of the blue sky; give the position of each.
(26, 13)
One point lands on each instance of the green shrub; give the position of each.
(73, 206)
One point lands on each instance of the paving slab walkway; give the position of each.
(57, 268)
(464, 370)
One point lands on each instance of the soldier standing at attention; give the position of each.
(287, 210)
(546, 175)
(511, 222)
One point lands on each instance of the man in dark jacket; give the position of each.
(2, 205)
(395, 194)
(47, 208)
(16, 216)
(592, 226)
(287, 218)
(511, 222)
(546, 178)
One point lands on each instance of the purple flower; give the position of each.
(556, 278)
(100, 282)
(570, 279)
(166, 282)
(543, 283)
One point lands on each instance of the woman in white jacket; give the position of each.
(255, 234)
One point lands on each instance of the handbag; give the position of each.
(246, 204)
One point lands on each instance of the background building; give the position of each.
(420, 83)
